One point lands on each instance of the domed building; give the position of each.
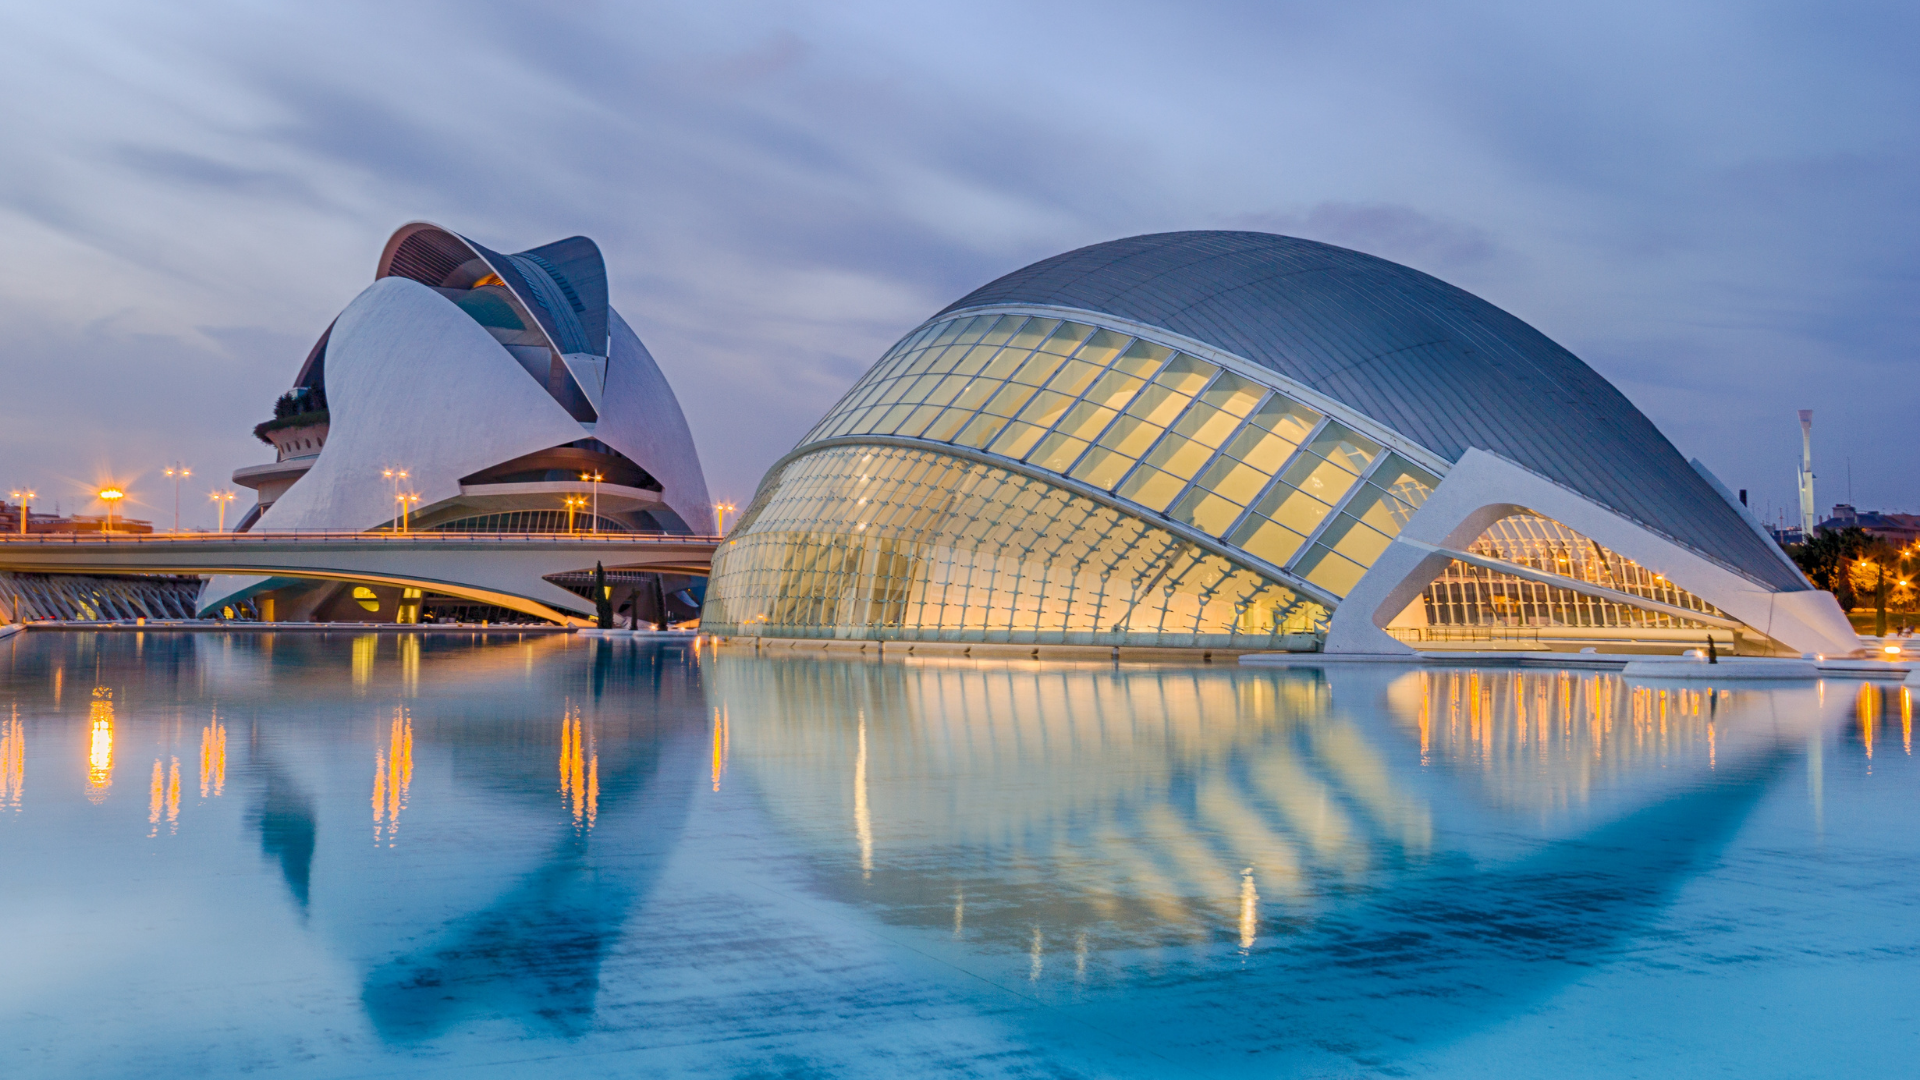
(1239, 441)
(467, 390)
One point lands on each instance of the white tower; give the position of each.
(1806, 474)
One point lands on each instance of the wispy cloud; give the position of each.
(1714, 205)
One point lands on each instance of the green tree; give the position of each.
(1876, 571)
(602, 598)
(1827, 559)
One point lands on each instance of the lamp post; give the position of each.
(594, 478)
(25, 497)
(177, 472)
(394, 476)
(721, 510)
(407, 501)
(574, 502)
(221, 499)
(110, 496)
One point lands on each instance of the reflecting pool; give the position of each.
(353, 855)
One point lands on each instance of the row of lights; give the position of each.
(111, 495)
(404, 501)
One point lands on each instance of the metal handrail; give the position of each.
(265, 536)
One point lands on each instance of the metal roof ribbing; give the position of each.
(1432, 361)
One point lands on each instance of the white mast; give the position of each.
(1806, 474)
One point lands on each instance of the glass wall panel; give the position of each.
(1467, 595)
(900, 544)
(1166, 430)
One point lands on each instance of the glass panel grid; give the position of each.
(1171, 432)
(910, 544)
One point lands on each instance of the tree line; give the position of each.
(1859, 569)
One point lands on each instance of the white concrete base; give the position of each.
(1292, 659)
(1732, 669)
(9, 630)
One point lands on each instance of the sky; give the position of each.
(1714, 205)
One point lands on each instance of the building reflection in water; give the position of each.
(1167, 798)
(392, 775)
(100, 744)
(13, 761)
(1544, 740)
(1023, 803)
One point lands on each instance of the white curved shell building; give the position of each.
(493, 382)
(1233, 440)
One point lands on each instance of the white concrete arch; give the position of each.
(1483, 487)
(412, 382)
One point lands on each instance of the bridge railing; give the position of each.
(343, 536)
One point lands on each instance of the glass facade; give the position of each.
(892, 543)
(1165, 431)
(1466, 595)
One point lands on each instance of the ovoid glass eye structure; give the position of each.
(467, 390)
(1234, 440)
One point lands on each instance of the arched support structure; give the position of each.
(1484, 487)
(506, 570)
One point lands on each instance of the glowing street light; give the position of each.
(721, 510)
(393, 477)
(594, 478)
(221, 499)
(407, 501)
(110, 496)
(25, 497)
(177, 472)
(574, 503)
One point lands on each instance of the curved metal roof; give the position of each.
(1434, 362)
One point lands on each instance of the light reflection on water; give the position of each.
(736, 863)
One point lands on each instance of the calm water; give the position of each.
(355, 856)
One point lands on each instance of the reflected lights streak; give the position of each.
(364, 648)
(579, 771)
(1907, 721)
(862, 823)
(155, 792)
(100, 745)
(722, 738)
(13, 761)
(392, 775)
(213, 758)
(1249, 909)
(1866, 706)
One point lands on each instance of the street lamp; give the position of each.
(594, 478)
(177, 472)
(221, 499)
(574, 502)
(407, 501)
(394, 476)
(721, 510)
(110, 496)
(25, 497)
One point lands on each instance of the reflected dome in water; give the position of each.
(1081, 821)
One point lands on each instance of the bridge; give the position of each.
(505, 569)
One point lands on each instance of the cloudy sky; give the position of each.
(1715, 205)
